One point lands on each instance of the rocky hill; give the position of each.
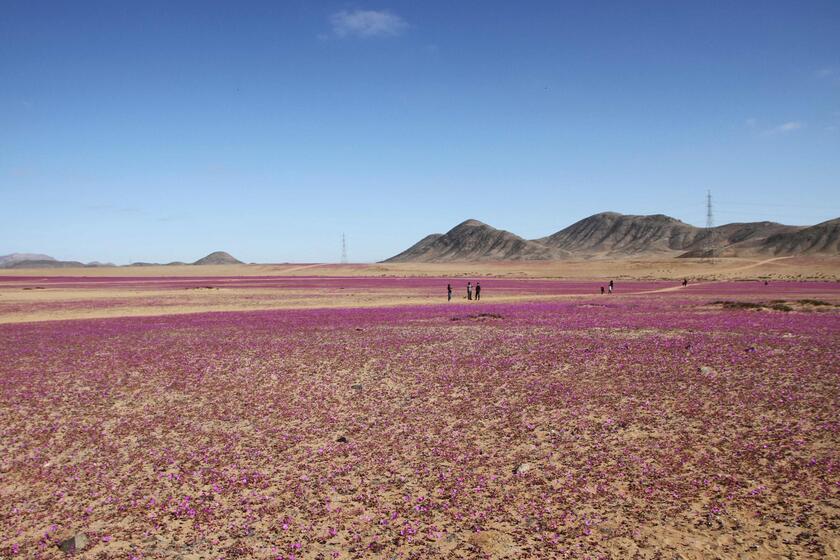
(7, 261)
(218, 257)
(473, 240)
(613, 235)
(820, 239)
(37, 260)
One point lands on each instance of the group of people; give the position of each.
(610, 287)
(470, 291)
(476, 291)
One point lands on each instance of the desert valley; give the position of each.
(420, 280)
(222, 409)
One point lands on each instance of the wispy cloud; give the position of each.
(367, 23)
(112, 209)
(826, 72)
(789, 126)
(171, 218)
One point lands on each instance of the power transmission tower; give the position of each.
(343, 249)
(709, 249)
(710, 222)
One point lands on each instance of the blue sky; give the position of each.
(162, 131)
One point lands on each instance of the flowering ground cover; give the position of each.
(309, 283)
(25, 299)
(656, 425)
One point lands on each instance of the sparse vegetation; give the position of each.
(774, 304)
(814, 302)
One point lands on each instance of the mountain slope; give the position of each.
(821, 239)
(45, 263)
(471, 241)
(218, 257)
(613, 234)
(7, 261)
(738, 239)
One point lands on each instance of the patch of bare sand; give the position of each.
(110, 304)
(779, 268)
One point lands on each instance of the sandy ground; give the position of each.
(654, 423)
(57, 304)
(650, 426)
(788, 268)
(88, 293)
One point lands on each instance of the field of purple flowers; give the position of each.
(659, 425)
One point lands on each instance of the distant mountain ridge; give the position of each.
(8, 260)
(823, 238)
(474, 240)
(36, 260)
(610, 233)
(614, 235)
(218, 257)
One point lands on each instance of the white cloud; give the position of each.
(789, 126)
(367, 23)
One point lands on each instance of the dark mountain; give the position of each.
(43, 263)
(218, 257)
(35, 260)
(618, 235)
(6, 261)
(611, 234)
(821, 239)
(475, 241)
(731, 240)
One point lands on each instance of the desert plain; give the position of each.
(349, 411)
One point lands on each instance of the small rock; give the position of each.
(341, 439)
(356, 386)
(523, 468)
(73, 544)
(706, 370)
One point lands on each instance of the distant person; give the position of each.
(766, 283)
(449, 292)
(469, 290)
(602, 290)
(478, 291)
(685, 282)
(609, 288)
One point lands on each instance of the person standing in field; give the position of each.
(449, 292)
(602, 290)
(611, 286)
(478, 291)
(469, 290)
(685, 282)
